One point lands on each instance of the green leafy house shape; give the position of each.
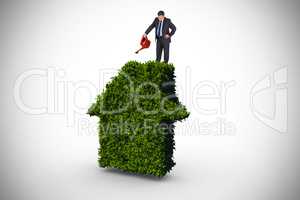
(137, 112)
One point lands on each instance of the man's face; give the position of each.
(160, 17)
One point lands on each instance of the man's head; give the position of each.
(161, 15)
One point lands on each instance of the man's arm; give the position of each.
(150, 27)
(173, 27)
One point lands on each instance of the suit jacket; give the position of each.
(167, 25)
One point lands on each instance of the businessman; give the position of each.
(163, 35)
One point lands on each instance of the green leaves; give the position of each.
(137, 112)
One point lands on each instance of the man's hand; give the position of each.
(144, 35)
(167, 36)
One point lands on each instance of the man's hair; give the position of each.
(161, 13)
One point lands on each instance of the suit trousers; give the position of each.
(162, 44)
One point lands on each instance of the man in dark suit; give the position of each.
(162, 34)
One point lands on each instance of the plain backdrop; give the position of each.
(237, 69)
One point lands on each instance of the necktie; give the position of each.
(159, 31)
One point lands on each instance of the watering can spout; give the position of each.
(138, 50)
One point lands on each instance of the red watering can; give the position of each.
(145, 43)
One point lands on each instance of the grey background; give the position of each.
(52, 156)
